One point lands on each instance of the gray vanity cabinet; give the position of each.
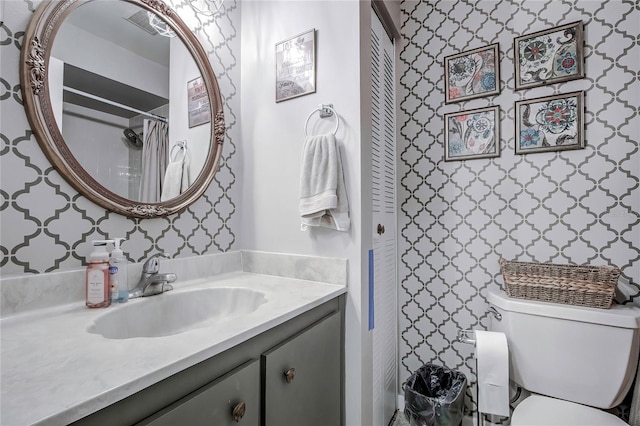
(302, 377)
(253, 372)
(233, 399)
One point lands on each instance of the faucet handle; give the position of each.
(152, 265)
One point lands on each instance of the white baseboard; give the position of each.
(400, 402)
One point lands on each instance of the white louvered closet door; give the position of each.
(385, 376)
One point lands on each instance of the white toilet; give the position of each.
(570, 358)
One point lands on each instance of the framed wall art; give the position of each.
(472, 134)
(198, 109)
(296, 66)
(549, 56)
(472, 74)
(551, 123)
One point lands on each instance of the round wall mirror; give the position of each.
(123, 101)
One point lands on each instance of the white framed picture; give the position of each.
(296, 66)
(198, 108)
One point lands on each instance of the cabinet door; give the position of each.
(302, 384)
(236, 395)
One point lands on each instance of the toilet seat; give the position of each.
(537, 410)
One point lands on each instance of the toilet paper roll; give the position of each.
(492, 355)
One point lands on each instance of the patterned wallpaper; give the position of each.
(458, 218)
(46, 225)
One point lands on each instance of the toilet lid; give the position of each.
(539, 410)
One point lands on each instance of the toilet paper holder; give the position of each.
(467, 336)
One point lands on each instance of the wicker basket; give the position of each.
(581, 285)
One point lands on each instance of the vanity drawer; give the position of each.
(236, 395)
(302, 377)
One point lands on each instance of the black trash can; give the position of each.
(434, 396)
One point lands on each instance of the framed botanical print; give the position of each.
(472, 74)
(472, 134)
(549, 56)
(551, 123)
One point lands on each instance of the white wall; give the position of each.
(272, 140)
(72, 44)
(95, 138)
(56, 83)
(182, 70)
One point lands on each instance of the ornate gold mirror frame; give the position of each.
(36, 51)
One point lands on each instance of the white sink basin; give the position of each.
(176, 312)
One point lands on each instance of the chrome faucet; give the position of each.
(151, 281)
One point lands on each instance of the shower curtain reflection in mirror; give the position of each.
(155, 159)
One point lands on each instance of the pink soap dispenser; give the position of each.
(98, 289)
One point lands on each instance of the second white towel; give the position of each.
(492, 354)
(176, 180)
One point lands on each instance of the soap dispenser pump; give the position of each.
(98, 290)
(118, 273)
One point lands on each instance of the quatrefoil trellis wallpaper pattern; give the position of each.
(46, 225)
(457, 219)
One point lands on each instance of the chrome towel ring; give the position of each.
(181, 147)
(325, 111)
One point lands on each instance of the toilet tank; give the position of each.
(579, 354)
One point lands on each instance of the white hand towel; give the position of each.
(492, 354)
(173, 181)
(186, 176)
(323, 197)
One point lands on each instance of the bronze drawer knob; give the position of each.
(289, 375)
(238, 411)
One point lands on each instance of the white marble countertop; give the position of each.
(55, 372)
